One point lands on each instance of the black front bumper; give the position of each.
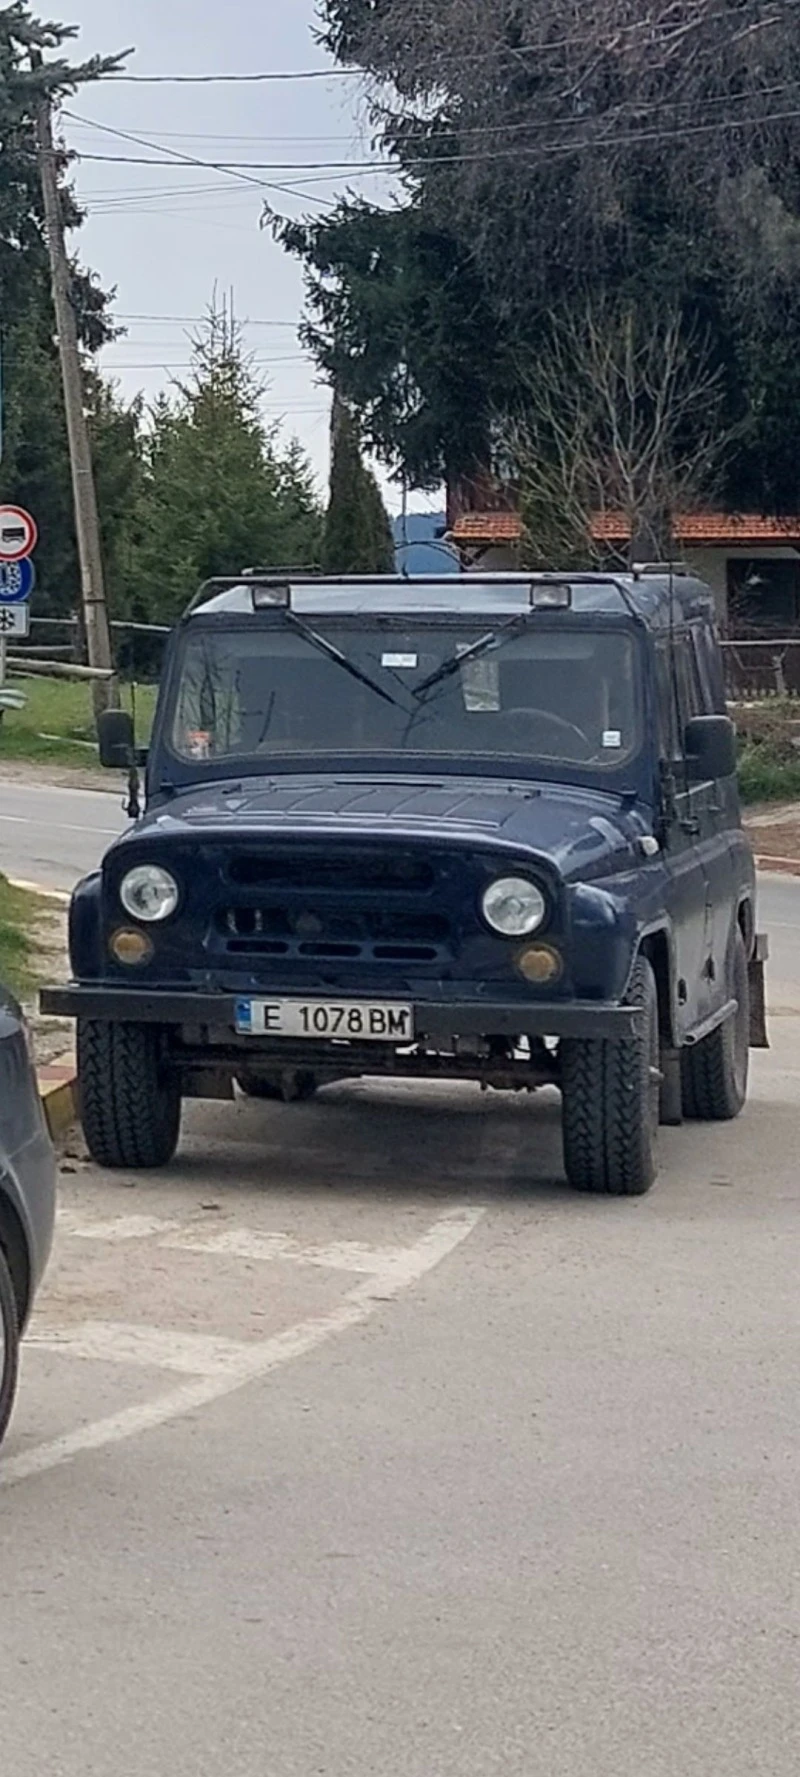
(436, 1022)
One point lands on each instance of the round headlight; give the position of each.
(149, 893)
(514, 906)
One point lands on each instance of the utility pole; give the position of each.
(87, 527)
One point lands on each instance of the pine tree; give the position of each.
(358, 536)
(219, 493)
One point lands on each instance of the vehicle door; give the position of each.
(684, 843)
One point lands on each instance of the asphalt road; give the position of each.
(54, 836)
(356, 1445)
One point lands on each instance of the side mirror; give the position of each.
(710, 743)
(116, 740)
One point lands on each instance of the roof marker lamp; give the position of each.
(553, 595)
(267, 594)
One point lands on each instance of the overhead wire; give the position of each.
(664, 25)
(406, 165)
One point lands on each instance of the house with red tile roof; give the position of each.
(751, 561)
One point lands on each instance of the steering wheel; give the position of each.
(532, 715)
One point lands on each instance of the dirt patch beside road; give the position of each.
(58, 777)
(774, 834)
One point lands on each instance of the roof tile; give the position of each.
(709, 528)
(488, 527)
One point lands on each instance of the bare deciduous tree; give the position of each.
(622, 431)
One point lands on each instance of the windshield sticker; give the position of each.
(400, 662)
(198, 743)
(480, 680)
(612, 737)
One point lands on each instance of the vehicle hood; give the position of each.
(584, 832)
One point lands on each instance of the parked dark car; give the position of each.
(483, 828)
(27, 1194)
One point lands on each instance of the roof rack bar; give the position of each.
(281, 577)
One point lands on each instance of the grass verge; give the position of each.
(20, 912)
(764, 778)
(57, 723)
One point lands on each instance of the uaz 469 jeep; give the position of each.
(480, 828)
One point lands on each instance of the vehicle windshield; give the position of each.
(368, 686)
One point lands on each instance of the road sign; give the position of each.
(15, 620)
(18, 533)
(17, 581)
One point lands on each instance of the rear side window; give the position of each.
(681, 693)
(708, 663)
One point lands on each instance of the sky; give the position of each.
(167, 238)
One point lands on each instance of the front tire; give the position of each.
(714, 1072)
(130, 1106)
(9, 1345)
(610, 1097)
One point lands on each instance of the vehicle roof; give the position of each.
(655, 597)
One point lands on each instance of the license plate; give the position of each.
(370, 1021)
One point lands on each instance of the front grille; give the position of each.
(376, 933)
(369, 872)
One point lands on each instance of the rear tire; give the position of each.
(714, 1072)
(130, 1106)
(610, 1097)
(9, 1349)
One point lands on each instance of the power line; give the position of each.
(665, 26)
(175, 156)
(234, 79)
(199, 320)
(420, 162)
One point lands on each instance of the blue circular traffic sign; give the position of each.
(17, 580)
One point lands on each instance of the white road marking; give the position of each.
(407, 1267)
(149, 1348)
(251, 1244)
(137, 1227)
(25, 820)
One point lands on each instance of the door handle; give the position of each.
(690, 827)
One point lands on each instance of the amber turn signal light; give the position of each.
(539, 963)
(131, 948)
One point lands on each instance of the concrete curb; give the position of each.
(58, 1090)
(38, 888)
(781, 866)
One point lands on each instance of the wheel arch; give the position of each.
(657, 948)
(746, 922)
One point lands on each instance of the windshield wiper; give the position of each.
(315, 640)
(495, 638)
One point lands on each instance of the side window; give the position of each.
(690, 694)
(709, 668)
(667, 717)
(680, 694)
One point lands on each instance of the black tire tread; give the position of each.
(129, 1110)
(10, 1319)
(608, 1145)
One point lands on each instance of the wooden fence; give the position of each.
(755, 671)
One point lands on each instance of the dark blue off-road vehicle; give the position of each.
(481, 828)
